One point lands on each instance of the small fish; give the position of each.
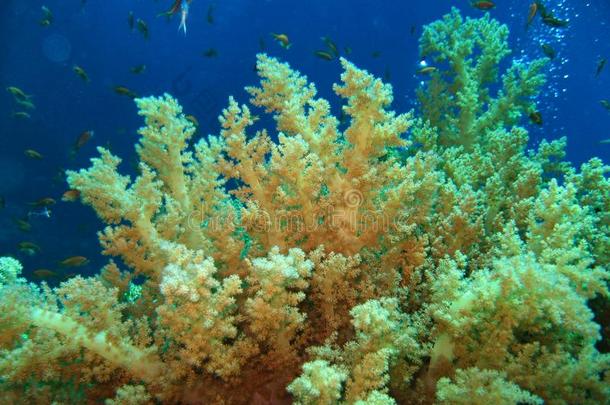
(82, 139)
(192, 119)
(413, 30)
(531, 14)
(22, 115)
(554, 22)
(483, 5)
(376, 54)
(44, 274)
(605, 104)
(536, 117)
(124, 91)
(347, 50)
(17, 93)
(43, 202)
(23, 225)
(605, 141)
(143, 28)
(81, 73)
(387, 76)
(210, 15)
(71, 195)
(426, 70)
(282, 39)
(131, 20)
(332, 47)
(600, 66)
(33, 154)
(28, 248)
(47, 17)
(210, 53)
(26, 104)
(2, 202)
(261, 44)
(548, 50)
(74, 261)
(136, 70)
(324, 55)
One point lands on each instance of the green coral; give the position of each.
(458, 99)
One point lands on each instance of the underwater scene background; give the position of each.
(72, 69)
(383, 37)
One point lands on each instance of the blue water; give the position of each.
(96, 36)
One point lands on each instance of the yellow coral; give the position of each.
(405, 259)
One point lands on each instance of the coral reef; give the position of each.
(426, 257)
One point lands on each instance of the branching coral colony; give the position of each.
(402, 260)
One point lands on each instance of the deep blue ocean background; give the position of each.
(95, 35)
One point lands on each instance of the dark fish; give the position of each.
(323, 55)
(23, 225)
(43, 202)
(28, 248)
(210, 15)
(26, 103)
(600, 66)
(143, 28)
(548, 50)
(124, 91)
(347, 50)
(136, 70)
(332, 47)
(22, 115)
(531, 14)
(210, 53)
(412, 30)
(426, 70)
(81, 73)
(44, 274)
(47, 17)
(605, 104)
(131, 20)
(376, 54)
(261, 44)
(33, 154)
(536, 117)
(387, 76)
(2, 202)
(17, 93)
(554, 22)
(74, 261)
(483, 5)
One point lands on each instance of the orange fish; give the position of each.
(74, 261)
(484, 5)
(82, 139)
(71, 195)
